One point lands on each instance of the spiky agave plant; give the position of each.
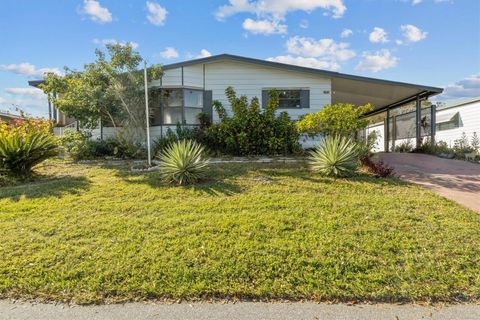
(335, 157)
(20, 152)
(183, 162)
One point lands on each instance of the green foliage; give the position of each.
(365, 147)
(23, 148)
(79, 145)
(338, 119)
(404, 146)
(183, 162)
(250, 130)
(107, 89)
(475, 142)
(462, 146)
(180, 133)
(335, 156)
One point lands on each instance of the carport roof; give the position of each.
(345, 87)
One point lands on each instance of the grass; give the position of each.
(96, 233)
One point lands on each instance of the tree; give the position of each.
(338, 119)
(108, 89)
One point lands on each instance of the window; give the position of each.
(447, 121)
(193, 105)
(289, 98)
(172, 101)
(177, 106)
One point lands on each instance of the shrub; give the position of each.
(79, 146)
(335, 156)
(462, 146)
(24, 145)
(378, 168)
(181, 133)
(405, 146)
(366, 146)
(183, 162)
(76, 144)
(251, 130)
(338, 119)
(475, 142)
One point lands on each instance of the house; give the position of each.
(189, 88)
(10, 118)
(455, 117)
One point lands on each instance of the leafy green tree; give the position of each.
(475, 142)
(337, 119)
(110, 88)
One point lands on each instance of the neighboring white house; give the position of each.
(188, 88)
(455, 117)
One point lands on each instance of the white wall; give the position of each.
(379, 129)
(249, 79)
(469, 123)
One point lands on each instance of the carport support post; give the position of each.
(418, 119)
(433, 122)
(386, 133)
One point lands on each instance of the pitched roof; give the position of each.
(291, 67)
(442, 105)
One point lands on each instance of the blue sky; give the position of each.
(432, 42)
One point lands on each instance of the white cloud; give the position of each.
(320, 54)
(104, 42)
(468, 87)
(412, 33)
(157, 13)
(346, 33)
(415, 2)
(28, 69)
(169, 53)
(30, 92)
(271, 13)
(306, 62)
(265, 27)
(378, 35)
(204, 53)
(96, 12)
(377, 61)
(277, 9)
(327, 49)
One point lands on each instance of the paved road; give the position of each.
(454, 179)
(245, 310)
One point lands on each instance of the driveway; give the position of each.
(454, 179)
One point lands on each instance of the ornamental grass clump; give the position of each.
(335, 156)
(183, 162)
(25, 144)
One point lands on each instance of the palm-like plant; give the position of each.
(183, 162)
(21, 151)
(335, 156)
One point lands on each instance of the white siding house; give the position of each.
(189, 88)
(456, 117)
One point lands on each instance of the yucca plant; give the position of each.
(21, 150)
(183, 162)
(335, 157)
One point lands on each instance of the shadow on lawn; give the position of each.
(46, 187)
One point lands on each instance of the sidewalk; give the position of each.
(231, 311)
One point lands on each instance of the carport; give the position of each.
(397, 104)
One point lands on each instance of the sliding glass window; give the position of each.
(193, 105)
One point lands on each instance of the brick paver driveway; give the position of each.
(454, 179)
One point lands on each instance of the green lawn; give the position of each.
(94, 233)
